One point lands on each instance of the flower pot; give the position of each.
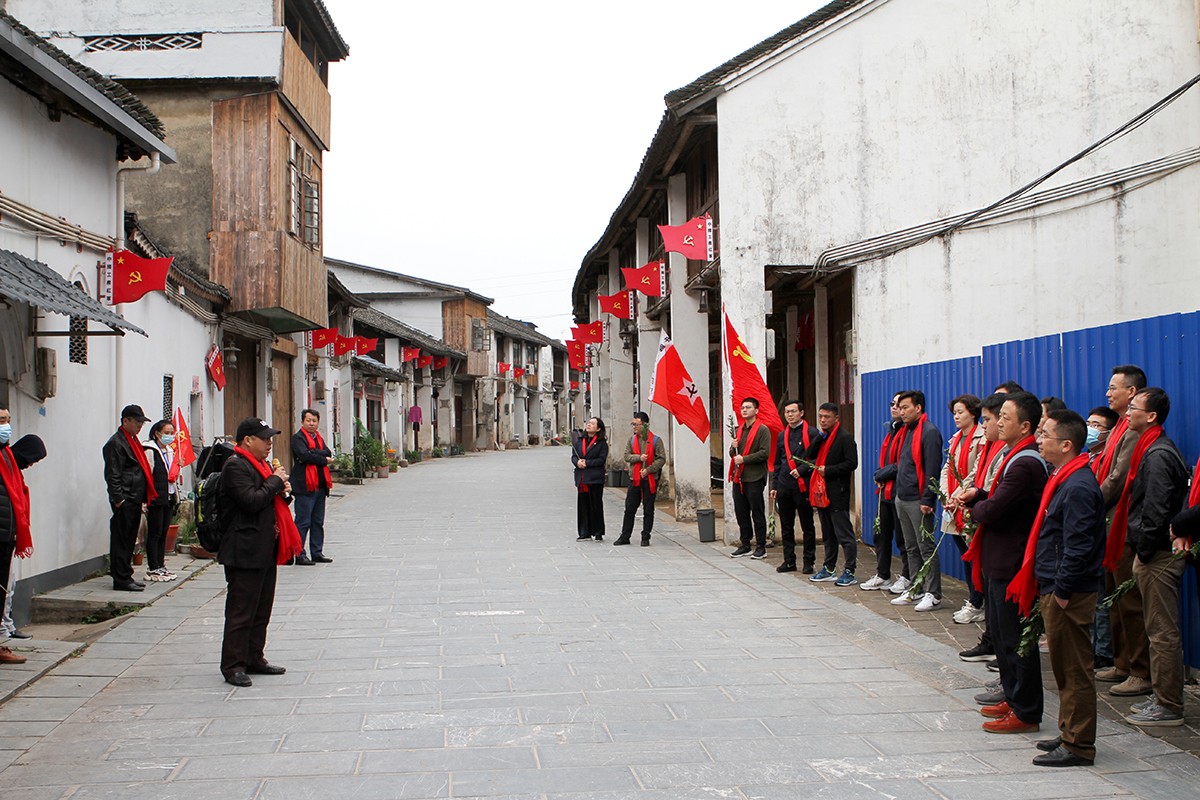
(381, 472)
(139, 559)
(172, 538)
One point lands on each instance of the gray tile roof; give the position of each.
(394, 327)
(517, 329)
(29, 281)
(372, 367)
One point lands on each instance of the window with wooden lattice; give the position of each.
(168, 396)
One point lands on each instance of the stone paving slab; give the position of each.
(462, 644)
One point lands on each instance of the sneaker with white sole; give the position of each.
(900, 586)
(1142, 705)
(846, 579)
(902, 600)
(968, 614)
(822, 576)
(928, 603)
(873, 585)
(1155, 717)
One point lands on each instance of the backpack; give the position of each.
(209, 525)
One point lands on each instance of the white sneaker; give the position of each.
(873, 585)
(968, 614)
(903, 600)
(900, 586)
(928, 603)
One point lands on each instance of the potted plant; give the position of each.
(370, 454)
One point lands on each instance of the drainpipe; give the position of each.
(149, 169)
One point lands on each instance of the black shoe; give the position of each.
(741, 551)
(304, 561)
(808, 569)
(645, 541)
(1049, 745)
(239, 679)
(759, 553)
(18, 634)
(584, 539)
(993, 666)
(322, 559)
(621, 541)
(1061, 757)
(128, 586)
(137, 582)
(786, 568)
(599, 538)
(980, 652)
(266, 669)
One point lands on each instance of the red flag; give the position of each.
(518, 373)
(324, 337)
(440, 362)
(692, 239)
(134, 277)
(212, 362)
(646, 279)
(592, 333)
(574, 384)
(674, 390)
(577, 354)
(619, 304)
(363, 345)
(424, 361)
(747, 381)
(184, 453)
(504, 367)
(409, 353)
(344, 344)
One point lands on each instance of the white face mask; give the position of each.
(5, 432)
(168, 439)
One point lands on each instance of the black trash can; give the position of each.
(706, 522)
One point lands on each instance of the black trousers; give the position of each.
(6, 556)
(639, 496)
(122, 538)
(791, 502)
(889, 533)
(750, 506)
(837, 530)
(590, 511)
(249, 598)
(157, 520)
(1021, 676)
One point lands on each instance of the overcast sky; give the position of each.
(487, 144)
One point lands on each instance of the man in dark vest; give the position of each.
(645, 456)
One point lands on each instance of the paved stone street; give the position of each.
(463, 644)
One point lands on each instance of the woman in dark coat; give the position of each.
(161, 510)
(589, 455)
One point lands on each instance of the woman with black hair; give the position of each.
(589, 455)
(160, 511)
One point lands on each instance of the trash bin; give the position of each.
(706, 521)
(618, 478)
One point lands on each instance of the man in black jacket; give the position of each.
(127, 474)
(1005, 515)
(1155, 497)
(248, 551)
(889, 532)
(310, 481)
(836, 457)
(789, 490)
(1070, 548)
(920, 460)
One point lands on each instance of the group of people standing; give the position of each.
(645, 456)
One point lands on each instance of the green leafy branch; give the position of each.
(1124, 588)
(1035, 626)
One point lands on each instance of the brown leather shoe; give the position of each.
(7, 656)
(1010, 724)
(998, 711)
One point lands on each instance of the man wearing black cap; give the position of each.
(130, 486)
(250, 550)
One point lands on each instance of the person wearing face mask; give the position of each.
(14, 518)
(26, 451)
(161, 510)
(1100, 422)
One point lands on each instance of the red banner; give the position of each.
(441, 362)
(363, 345)
(134, 277)
(619, 304)
(692, 239)
(409, 353)
(503, 367)
(323, 337)
(424, 361)
(183, 440)
(518, 373)
(212, 362)
(646, 279)
(344, 344)
(592, 333)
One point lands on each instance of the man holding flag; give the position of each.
(748, 474)
(645, 456)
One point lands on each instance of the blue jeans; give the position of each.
(310, 519)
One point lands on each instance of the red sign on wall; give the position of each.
(216, 371)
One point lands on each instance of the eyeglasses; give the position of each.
(1052, 438)
(1132, 407)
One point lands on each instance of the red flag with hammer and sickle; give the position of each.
(747, 381)
(692, 239)
(134, 277)
(619, 304)
(647, 279)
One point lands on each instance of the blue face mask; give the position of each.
(168, 438)
(1093, 437)
(5, 433)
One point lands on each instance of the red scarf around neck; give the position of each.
(735, 469)
(288, 536)
(18, 496)
(1194, 492)
(889, 454)
(1023, 588)
(636, 473)
(818, 494)
(1103, 465)
(918, 457)
(787, 449)
(312, 479)
(1120, 520)
(975, 549)
(987, 454)
(961, 468)
(139, 455)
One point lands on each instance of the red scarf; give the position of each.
(173, 470)
(918, 456)
(312, 479)
(288, 536)
(1120, 520)
(1023, 588)
(583, 444)
(1194, 492)
(140, 456)
(18, 496)
(735, 469)
(975, 549)
(889, 454)
(817, 495)
(964, 465)
(1103, 465)
(987, 454)
(787, 449)
(637, 465)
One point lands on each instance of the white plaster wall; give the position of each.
(240, 54)
(141, 16)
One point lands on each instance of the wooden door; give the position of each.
(241, 384)
(282, 412)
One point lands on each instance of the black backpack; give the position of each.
(209, 525)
